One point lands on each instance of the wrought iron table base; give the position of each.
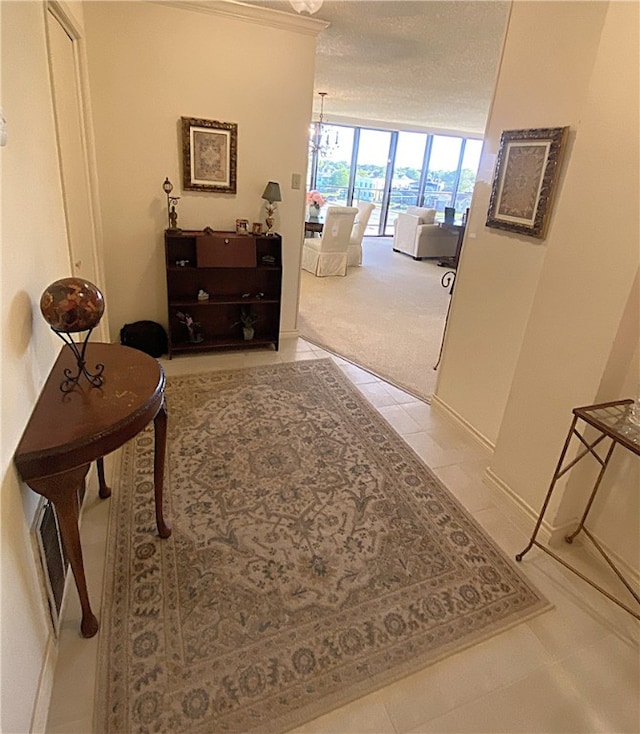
(612, 428)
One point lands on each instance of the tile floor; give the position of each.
(572, 669)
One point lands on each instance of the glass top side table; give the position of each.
(619, 423)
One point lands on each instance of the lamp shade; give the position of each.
(71, 305)
(272, 192)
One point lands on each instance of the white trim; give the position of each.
(45, 688)
(529, 513)
(261, 16)
(440, 406)
(290, 334)
(554, 535)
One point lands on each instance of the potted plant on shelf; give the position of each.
(247, 321)
(193, 327)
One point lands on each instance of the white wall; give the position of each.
(535, 325)
(33, 254)
(150, 65)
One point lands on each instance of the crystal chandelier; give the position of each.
(321, 142)
(306, 6)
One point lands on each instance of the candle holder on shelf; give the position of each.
(172, 202)
(70, 306)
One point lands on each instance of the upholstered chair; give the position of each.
(354, 253)
(417, 234)
(327, 254)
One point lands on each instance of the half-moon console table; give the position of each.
(67, 431)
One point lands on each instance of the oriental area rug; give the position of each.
(314, 558)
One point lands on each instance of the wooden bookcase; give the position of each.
(239, 272)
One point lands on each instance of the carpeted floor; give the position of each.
(314, 558)
(387, 316)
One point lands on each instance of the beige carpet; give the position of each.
(387, 315)
(314, 558)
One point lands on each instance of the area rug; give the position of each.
(387, 316)
(314, 558)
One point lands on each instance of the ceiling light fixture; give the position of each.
(306, 6)
(320, 141)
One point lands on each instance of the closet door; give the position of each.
(64, 60)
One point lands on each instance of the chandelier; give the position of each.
(306, 6)
(321, 142)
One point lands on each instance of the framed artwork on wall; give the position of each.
(524, 181)
(209, 155)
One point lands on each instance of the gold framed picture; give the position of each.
(525, 178)
(242, 226)
(256, 228)
(209, 155)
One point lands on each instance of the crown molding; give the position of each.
(251, 14)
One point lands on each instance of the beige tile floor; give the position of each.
(572, 669)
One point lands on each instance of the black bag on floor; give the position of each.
(147, 336)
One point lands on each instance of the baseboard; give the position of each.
(289, 334)
(440, 406)
(554, 535)
(42, 703)
(45, 687)
(528, 514)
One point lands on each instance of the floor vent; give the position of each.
(52, 557)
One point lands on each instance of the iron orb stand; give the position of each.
(79, 350)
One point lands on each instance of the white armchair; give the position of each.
(354, 253)
(327, 255)
(417, 234)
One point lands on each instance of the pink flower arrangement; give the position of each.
(315, 197)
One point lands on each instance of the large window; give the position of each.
(442, 172)
(407, 174)
(394, 170)
(332, 168)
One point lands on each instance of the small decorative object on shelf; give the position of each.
(271, 195)
(247, 321)
(203, 295)
(172, 202)
(69, 306)
(193, 327)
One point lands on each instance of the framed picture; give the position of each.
(242, 226)
(526, 172)
(257, 228)
(210, 154)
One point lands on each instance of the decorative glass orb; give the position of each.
(72, 304)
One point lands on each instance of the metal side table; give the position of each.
(619, 423)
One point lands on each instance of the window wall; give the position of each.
(394, 170)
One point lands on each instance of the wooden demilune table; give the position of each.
(616, 424)
(67, 431)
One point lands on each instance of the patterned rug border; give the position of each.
(356, 690)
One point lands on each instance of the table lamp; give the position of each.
(271, 195)
(69, 306)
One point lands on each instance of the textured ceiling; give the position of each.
(425, 63)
